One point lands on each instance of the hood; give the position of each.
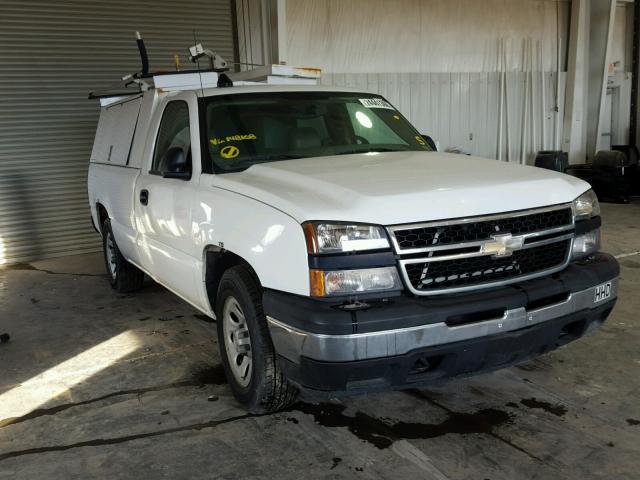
(399, 187)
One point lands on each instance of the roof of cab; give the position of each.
(257, 88)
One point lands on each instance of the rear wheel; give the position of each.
(123, 276)
(249, 359)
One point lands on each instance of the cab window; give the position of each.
(172, 152)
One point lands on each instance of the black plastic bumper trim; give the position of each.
(426, 366)
(326, 317)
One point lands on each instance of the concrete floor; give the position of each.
(94, 384)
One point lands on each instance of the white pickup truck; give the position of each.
(336, 250)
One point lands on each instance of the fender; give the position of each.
(269, 240)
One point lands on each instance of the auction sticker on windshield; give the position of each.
(229, 152)
(376, 103)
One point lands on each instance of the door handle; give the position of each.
(144, 197)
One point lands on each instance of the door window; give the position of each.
(174, 133)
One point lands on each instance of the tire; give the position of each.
(261, 387)
(123, 276)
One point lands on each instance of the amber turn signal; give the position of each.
(316, 283)
(310, 237)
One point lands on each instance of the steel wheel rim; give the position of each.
(111, 256)
(237, 341)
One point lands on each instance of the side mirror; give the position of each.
(430, 142)
(175, 164)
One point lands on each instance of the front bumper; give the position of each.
(436, 338)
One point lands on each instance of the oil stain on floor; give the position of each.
(383, 433)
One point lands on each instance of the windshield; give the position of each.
(246, 129)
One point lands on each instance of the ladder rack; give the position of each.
(218, 76)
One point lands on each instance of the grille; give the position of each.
(462, 272)
(440, 235)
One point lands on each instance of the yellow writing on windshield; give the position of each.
(232, 138)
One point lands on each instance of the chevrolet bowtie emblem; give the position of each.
(502, 245)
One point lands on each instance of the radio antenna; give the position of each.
(195, 42)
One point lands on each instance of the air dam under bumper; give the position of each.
(420, 354)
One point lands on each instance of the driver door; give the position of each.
(163, 200)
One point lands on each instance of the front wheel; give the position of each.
(249, 359)
(123, 276)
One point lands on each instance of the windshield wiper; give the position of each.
(271, 158)
(368, 150)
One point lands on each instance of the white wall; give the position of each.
(462, 109)
(362, 36)
(254, 33)
(622, 36)
(449, 65)
(439, 62)
(457, 68)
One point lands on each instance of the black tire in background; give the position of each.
(266, 388)
(123, 276)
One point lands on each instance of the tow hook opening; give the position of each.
(425, 364)
(572, 331)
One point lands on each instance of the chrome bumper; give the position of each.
(293, 343)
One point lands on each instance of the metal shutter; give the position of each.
(51, 55)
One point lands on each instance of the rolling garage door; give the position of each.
(51, 55)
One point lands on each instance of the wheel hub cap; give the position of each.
(237, 341)
(111, 255)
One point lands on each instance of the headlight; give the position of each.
(586, 244)
(346, 282)
(586, 206)
(339, 237)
